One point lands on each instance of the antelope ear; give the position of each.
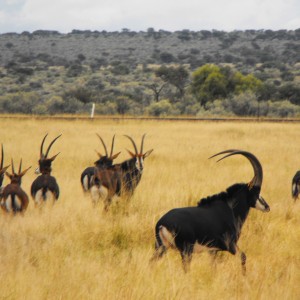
(24, 172)
(115, 155)
(130, 153)
(4, 169)
(99, 154)
(8, 175)
(53, 157)
(147, 153)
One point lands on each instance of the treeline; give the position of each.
(255, 82)
(209, 90)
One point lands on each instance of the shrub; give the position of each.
(283, 109)
(162, 108)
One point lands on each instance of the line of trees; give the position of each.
(166, 90)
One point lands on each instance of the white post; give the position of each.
(93, 110)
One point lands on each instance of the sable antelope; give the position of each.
(296, 186)
(14, 199)
(2, 169)
(87, 177)
(122, 179)
(45, 187)
(215, 224)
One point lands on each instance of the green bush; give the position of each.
(162, 108)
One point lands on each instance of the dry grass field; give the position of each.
(75, 251)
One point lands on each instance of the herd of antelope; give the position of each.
(214, 225)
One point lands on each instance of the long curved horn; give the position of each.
(223, 152)
(42, 145)
(133, 143)
(12, 166)
(112, 146)
(49, 147)
(20, 166)
(258, 172)
(2, 157)
(104, 146)
(142, 143)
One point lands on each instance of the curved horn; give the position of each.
(258, 172)
(133, 143)
(142, 143)
(104, 146)
(42, 145)
(223, 152)
(20, 166)
(112, 146)
(2, 157)
(49, 147)
(12, 166)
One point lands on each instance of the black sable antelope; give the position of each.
(14, 199)
(296, 186)
(87, 177)
(122, 179)
(45, 187)
(216, 222)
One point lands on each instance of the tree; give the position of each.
(208, 83)
(156, 87)
(211, 82)
(246, 83)
(176, 76)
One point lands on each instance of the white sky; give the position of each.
(139, 15)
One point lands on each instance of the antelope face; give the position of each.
(261, 204)
(139, 163)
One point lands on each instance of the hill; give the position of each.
(184, 47)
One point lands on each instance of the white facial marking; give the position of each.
(259, 204)
(140, 164)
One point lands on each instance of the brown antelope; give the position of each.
(2, 169)
(87, 177)
(14, 199)
(45, 187)
(122, 179)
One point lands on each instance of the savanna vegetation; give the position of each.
(157, 73)
(75, 251)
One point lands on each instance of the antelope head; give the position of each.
(106, 160)
(16, 178)
(44, 161)
(254, 185)
(139, 156)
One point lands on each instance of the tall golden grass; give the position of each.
(75, 251)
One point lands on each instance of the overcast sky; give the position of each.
(139, 15)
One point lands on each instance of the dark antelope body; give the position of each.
(45, 187)
(296, 186)
(13, 198)
(122, 179)
(215, 224)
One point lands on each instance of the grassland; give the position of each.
(75, 251)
